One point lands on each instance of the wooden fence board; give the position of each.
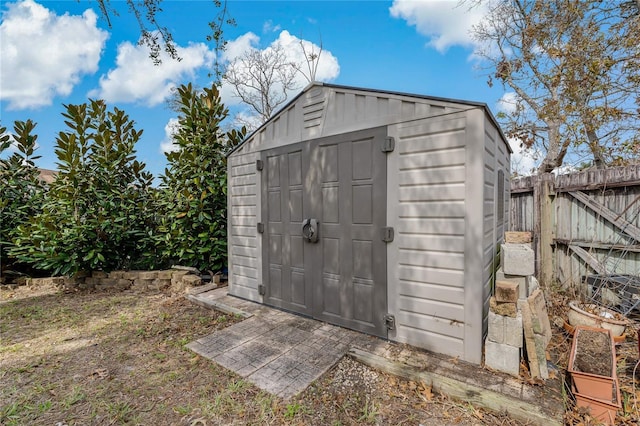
(591, 218)
(613, 217)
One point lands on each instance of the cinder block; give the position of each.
(513, 332)
(524, 282)
(99, 274)
(505, 309)
(502, 357)
(517, 259)
(495, 331)
(507, 291)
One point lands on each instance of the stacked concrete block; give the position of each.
(518, 304)
(505, 335)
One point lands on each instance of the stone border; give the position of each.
(174, 280)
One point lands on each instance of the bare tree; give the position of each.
(312, 60)
(573, 66)
(263, 79)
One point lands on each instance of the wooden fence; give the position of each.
(583, 223)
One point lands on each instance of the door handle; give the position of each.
(310, 230)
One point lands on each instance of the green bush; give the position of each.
(21, 189)
(194, 186)
(100, 212)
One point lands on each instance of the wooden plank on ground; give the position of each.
(589, 259)
(611, 216)
(476, 395)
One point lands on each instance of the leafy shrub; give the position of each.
(100, 211)
(195, 183)
(21, 189)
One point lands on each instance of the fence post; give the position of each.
(543, 222)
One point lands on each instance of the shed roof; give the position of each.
(379, 93)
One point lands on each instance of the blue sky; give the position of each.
(60, 52)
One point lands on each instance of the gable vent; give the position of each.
(313, 108)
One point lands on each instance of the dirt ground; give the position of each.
(119, 358)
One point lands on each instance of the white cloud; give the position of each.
(508, 103)
(269, 27)
(445, 22)
(328, 67)
(242, 44)
(524, 161)
(44, 55)
(170, 129)
(137, 79)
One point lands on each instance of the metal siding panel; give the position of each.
(436, 292)
(242, 235)
(434, 226)
(438, 192)
(473, 338)
(438, 343)
(431, 209)
(431, 259)
(447, 277)
(427, 257)
(445, 157)
(449, 174)
(442, 243)
(434, 308)
(243, 231)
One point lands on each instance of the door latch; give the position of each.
(390, 322)
(389, 144)
(387, 234)
(310, 230)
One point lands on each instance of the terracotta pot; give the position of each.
(599, 393)
(600, 410)
(616, 339)
(605, 319)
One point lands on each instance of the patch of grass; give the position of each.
(368, 412)
(182, 409)
(76, 395)
(160, 356)
(291, 410)
(120, 411)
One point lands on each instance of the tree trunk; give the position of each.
(594, 145)
(555, 152)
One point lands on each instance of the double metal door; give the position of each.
(324, 210)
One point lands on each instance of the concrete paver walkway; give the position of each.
(283, 353)
(279, 352)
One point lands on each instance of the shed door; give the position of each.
(341, 183)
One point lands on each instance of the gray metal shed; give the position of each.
(378, 211)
